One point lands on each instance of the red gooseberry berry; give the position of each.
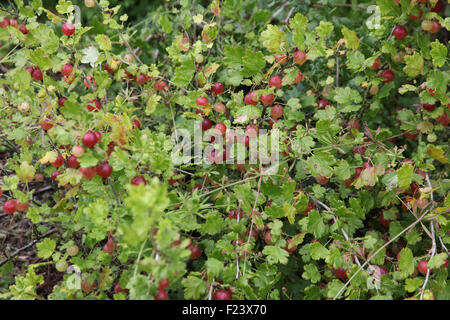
(300, 57)
(222, 295)
(138, 180)
(322, 103)
(388, 75)
(376, 64)
(10, 206)
(68, 29)
(66, 69)
(217, 88)
(72, 162)
(88, 173)
(104, 170)
(89, 139)
(202, 101)
(161, 295)
(400, 32)
(276, 82)
(277, 111)
(267, 99)
(251, 98)
(206, 124)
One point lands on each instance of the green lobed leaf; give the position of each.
(46, 248)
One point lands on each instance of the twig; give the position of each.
(335, 221)
(433, 252)
(378, 251)
(251, 225)
(159, 77)
(91, 86)
(209, 297)
(442, 243)
(344, 5)
(279, 10)
(15, 253)
(115, 192)
(162, 78)
(421, 223)
(139, 257)
(237, 264)
(390, 35)
(289, 15)
(129, 48)
(123, 39)
(183, 171)
(337, 67)
(237, 256)
(43, 189)
(433, 241)
(429, 185)
(11, 13)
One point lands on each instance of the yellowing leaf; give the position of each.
(152, 102)
(198, 19)
(414, 65)
(25, 172)
(119, 128)
(437, 153)
(215, 8)
(351, 39)
(211, 69)
(369, 176)
(298, 24)
(425, 127)
(273, 39)
(404, 175)
(70, 176)
(51, 16)
(103, 41)
(49, 157)
(290, 212)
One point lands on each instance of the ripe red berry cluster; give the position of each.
(13, 23)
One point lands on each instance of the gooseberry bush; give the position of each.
(357, 207)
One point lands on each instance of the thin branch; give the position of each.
(429, 185)
(335, 221)
(91, 86)
(237, 265)
(139, 257)
(378, 251)
(251, 225)
(442, 243)
(10, 12)
(32, 243)
(162, 78)
(114, 192)
(343, 5)
(289, 15)
(220, 188)
(337, 67)
(412, 212)
(183, 171)
(433, 240)
(390, 35)
(209, 296)
(129, 48)
(159, 77)
(433, 252)
(279, 10)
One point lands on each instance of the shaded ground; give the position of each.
(16, 232)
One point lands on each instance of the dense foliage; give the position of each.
(358, 208)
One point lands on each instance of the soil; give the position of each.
(16, 232)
